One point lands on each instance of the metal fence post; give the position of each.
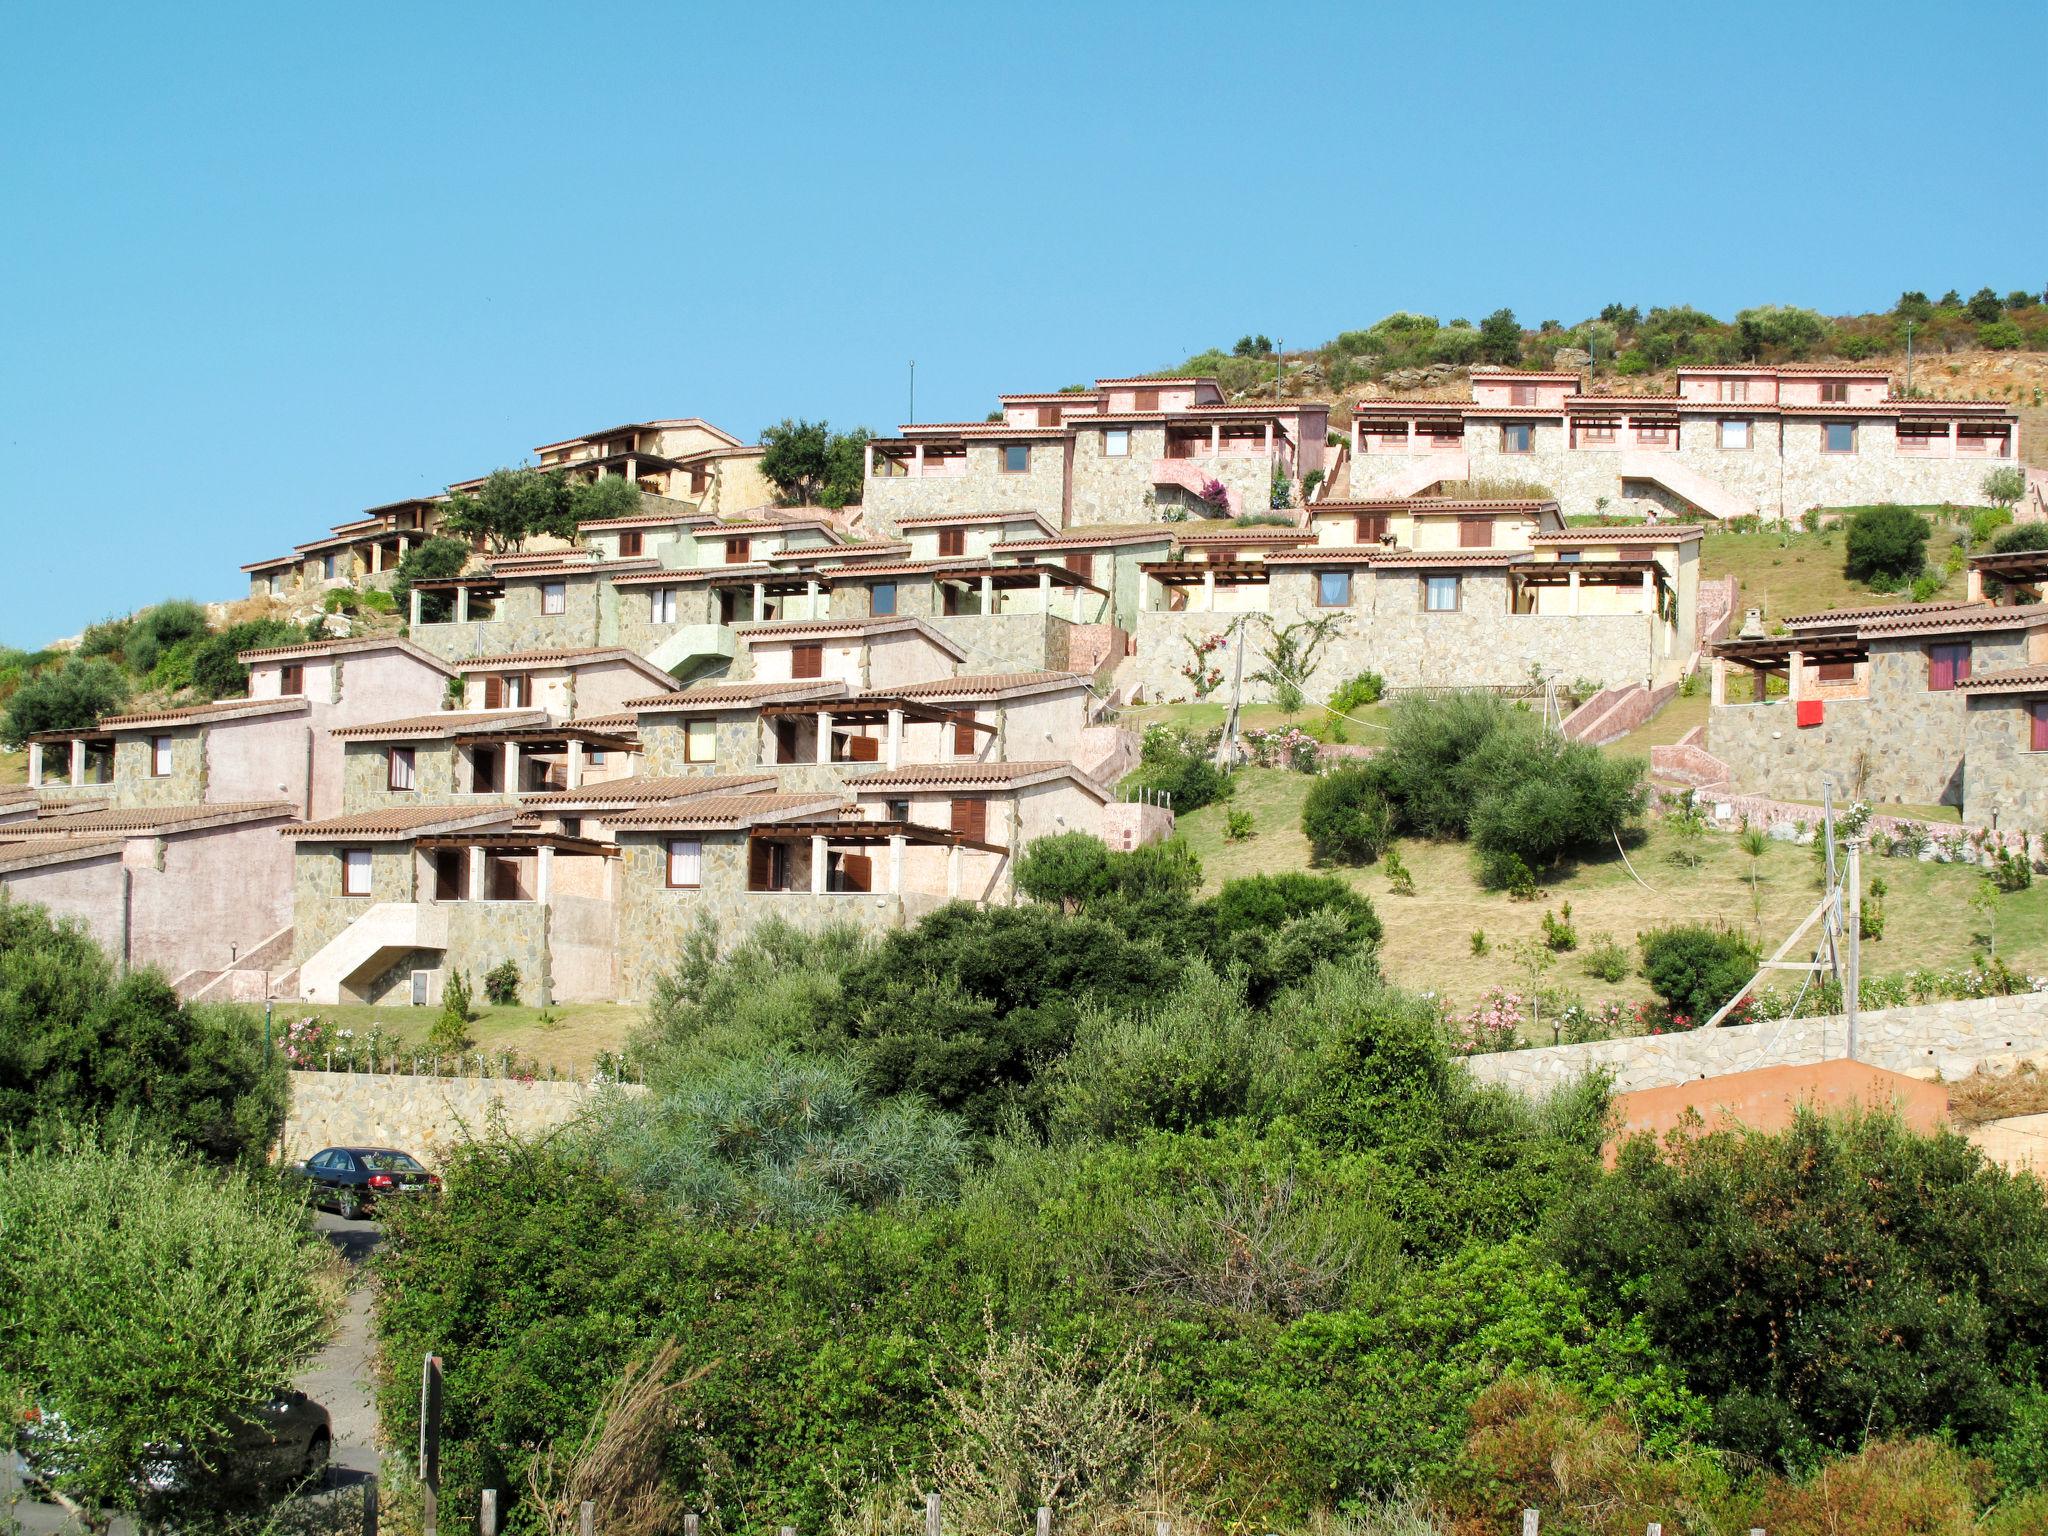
(370, 1506)
(1532, 1522)
(690, 1524)
(430, 1444)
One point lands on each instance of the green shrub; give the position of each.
(1479, 943)
(1925, 586)
(1238, 826)
(377, 600)
(155, 630)
(436, 559)
(1281, 927)
(1178, 765)
(2003, 487)
(1606, 959)
(1558, 933)
(1355, 693)
(501, 984)
(64, 698)
(1400, 879)
(449, 1033)
(1696, 968)
(217, 670)
(341, 600)
(1888, 542)
(1346, 818)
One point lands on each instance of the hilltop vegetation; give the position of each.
(1625, 340)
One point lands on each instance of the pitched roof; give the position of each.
(1089, 538)
(986, 685)
(446, 723)
(2032, 678)
(1232, 538)
(567, 656)
(204, 714)
(36, 852)
(719, 813)
(576, 568)
(1649, 533)
(954, 776)
(646, 791)
(1837, 616)
(350, 647)
(703, 696)
(1395, 559)
(957, 519)
(646, 520)
(1980, 616)
(143, 819)
(826, 629)
(399, 822)
(1426, 506)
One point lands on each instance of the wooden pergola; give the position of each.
(1785, 656)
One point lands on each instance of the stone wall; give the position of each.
(1128, 824)
(983, 488)
(1902, 743)
(1945, 1040)
(2005, 782)
(1122, 490)
(1008, 642)
(185, 784)
(426, 1116)
(319, 909)
(519, 625)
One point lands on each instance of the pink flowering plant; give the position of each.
(1287, 747)
(1198, 669)
(1217, 494)
(1495, 1025)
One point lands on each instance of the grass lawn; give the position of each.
(570, 1044)
(1208, 715)
(1795, 572)
(1428, 941)
(13, 768)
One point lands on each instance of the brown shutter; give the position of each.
(629, 542)
(1371, 527)
(737, 550)
(952, 542)
(1475, 533)
(785, 741)
(856, 872)
(1081, 564)
(863, 749)
(760, 865)
(970, 819)
(494, 692)
(964, 735)
(1148, 399)
(807, 660)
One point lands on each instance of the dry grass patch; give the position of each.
(1985, 1095)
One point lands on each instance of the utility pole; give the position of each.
(1226, 744)
(1279, 368)
(913, 390)
(1852, 990)
(1827, 831)
(1909, 359)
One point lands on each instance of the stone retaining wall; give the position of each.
(426, 1116)
(1932, 1040)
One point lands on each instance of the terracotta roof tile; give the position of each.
(1838, 616)
(1089, 538)
(987, 685)
(351, 647)
(1649, 533)
(1275, 533)
(643, 791)
(2032, 678)
(399, 822)
(446, 723)
(204, 714)
(805, 629)
(962, 519)
(150, 818)
(1428, 506)
(737, 695)
(1980, 617)
(32, 852)
(972, 776)
(723, 812)
(1396, 559)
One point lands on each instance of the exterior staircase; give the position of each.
(1417, 474)
(264, 966)
(1190, 477)
(694, 646)
(371, 945)
(1613, 712)
(1686, 483)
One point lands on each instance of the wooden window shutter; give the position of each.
(1148, 399)
(970, 818)
(964, 736)
(856, 872)
(737, 550)
(1081, 564)
(1370, 527)
(807, 660)
(2037, 715)
(952, 542)
(494, 693)
(630, 542)
(1475, 533)
(760, 865)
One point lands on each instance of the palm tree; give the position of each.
(1753, 842)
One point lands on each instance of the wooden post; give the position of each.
(690, 1524)
(430, 1443)
(1532, 1522)
(588, 1519)
(370, 1506)
(487, 1513)
(931, 1515)
(1045, 1520)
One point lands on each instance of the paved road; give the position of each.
(339, 1380)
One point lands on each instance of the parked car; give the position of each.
(284, 1442)
(351, 1180)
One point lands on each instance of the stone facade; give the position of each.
(1123, 490)
(136, 785)
(426, 1116)
(1944, 1040)
(2005, 781)
(319, 909)
(1901, 743)
(985, 487)
(589, 610)
(1482, 645)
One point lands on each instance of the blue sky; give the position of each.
(262, 266)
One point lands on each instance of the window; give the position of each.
(685, 864)
(291, 679)
(1596, 432)
(355, 872)
(1521, 394)
(1834, 392)
(1369, 527)
(1835, 672)
(1734, 434)
(1016, 458)
(1080, 564)
(1146, 400)
(1838, 437)
(595, 757)
(330, 567)
(738, 551)
(1475, 533)
(160, 757)
(964, 734)
(398, 765)
(952, 543)
(807, 660)
(1333, 589)
(899, 810)
(1116, 443)
(1947, 665)
(970, 819)
(2037, 725)
(882, 599)
(1440, 594)
(519, 690)
(700, 741)
(1516, 437)
(661, 606)
(553, 596)
(631, 542)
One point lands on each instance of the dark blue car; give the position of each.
(351, 1180)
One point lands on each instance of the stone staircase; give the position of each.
(1613, 712)
(1190, 477)
(1682, 480)
(265, 966)
(1687, 761)
(370, 946)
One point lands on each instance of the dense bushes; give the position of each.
(1346, 818)
(217, 670)
(1885, 544)
(64, 698)
(78, 1041)
(1178, 765)
(1476, 767)
(1696, 968)
(435, 559)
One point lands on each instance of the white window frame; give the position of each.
(1116, 442)
(554, 597)
(161, 750)
(357, 871)
(686, 853)
(1342, 576)
(700, 741)
(1739, 426)
(1827, 429)
(1429, 590)
(661, 605)
(401, 768)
